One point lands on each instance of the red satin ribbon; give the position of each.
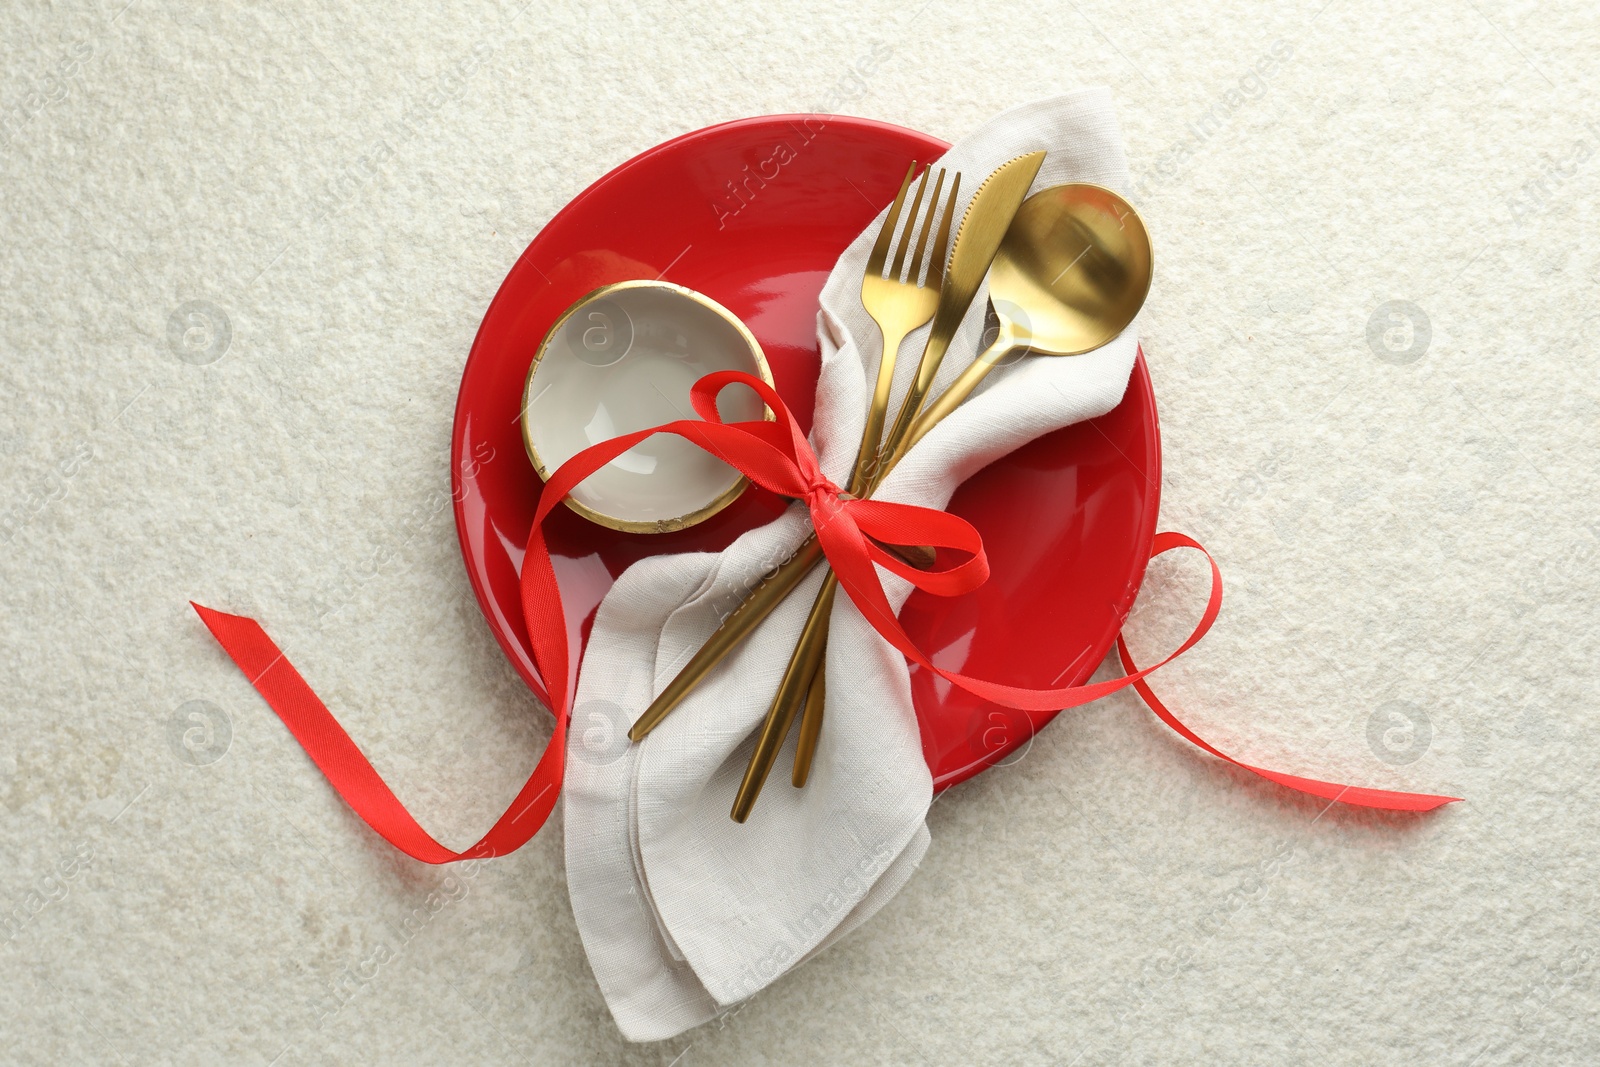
(776, 456)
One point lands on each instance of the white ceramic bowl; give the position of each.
(621, 359)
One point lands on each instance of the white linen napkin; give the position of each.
(682, 911)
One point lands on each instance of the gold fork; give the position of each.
(898, 307)
(893, 304)
(899, 303)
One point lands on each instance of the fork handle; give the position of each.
(812, 646)
(775, 587)
(811, 719)
(792, 692)
(868, 460)
(872, 432)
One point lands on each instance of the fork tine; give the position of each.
(911, 222)
(927, 224)
(880, 248)
(941, 243)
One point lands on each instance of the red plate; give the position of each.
(754, 213)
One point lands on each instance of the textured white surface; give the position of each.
(1400, 538)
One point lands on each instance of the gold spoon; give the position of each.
(1073, 270)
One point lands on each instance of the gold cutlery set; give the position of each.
(1068, 269)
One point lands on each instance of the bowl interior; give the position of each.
(624, 359)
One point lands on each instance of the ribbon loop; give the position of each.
(776, 456)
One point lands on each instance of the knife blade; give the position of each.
(983, 225)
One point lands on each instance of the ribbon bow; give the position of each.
(776, 456)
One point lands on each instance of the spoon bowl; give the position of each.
(1076, 261)
(1073, 270)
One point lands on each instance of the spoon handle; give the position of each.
(959, 390)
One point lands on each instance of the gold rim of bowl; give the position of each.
(728, 496)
